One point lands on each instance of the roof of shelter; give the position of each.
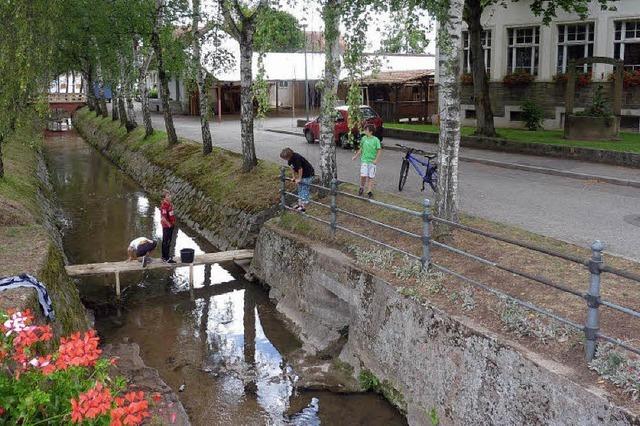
(397, 77)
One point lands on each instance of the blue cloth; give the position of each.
(26, 280)
(303, 190)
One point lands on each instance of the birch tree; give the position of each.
(163, 77)
(144, 55)
(207, 144)
(240, 23)
(449, 37)
(331, 19)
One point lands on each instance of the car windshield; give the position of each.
(368, 113)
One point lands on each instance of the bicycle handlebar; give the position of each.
(417, 151)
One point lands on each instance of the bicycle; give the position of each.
(430, 173)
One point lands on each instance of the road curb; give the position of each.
(514, 166)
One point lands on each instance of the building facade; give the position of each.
(515, 40)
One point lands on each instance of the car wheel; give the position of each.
(308, 135)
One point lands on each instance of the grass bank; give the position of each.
(218, 175)
(630, 142)
(26, 241)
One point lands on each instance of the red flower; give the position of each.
(78, 351)
(91, 404)
(156, 397)
(45, 364)
(130, 410)
(1, 411)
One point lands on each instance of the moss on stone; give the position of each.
(218, 175)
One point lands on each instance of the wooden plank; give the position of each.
(113, 267)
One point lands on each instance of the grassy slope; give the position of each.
(219, 175)
(630, 141)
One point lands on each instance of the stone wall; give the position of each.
(441, 365)
(550, 96)
(223, 226)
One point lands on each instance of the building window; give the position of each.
(627, 44)
(486, 46)
(575, 41)
(523, 50)
(283, 84)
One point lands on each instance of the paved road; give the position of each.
(572, 210)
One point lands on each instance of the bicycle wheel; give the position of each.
(404, 172)
(433, 180)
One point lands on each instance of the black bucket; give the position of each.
(187, 255)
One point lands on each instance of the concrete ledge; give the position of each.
(437, 362)
(626, 159)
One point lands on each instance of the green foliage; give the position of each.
(405, 34)
(368, 381)
(153, 93)
(599, 107)
(260, 89)
(529, 324)
(618, 368)
(433, 417)
(532, 115)
(277, 31)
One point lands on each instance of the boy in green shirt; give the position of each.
(369, 152)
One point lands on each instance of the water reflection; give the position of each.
(223, 342)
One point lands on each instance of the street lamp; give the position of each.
(306, 80)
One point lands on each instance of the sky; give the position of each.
(308, 13)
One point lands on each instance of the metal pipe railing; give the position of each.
(595, 264)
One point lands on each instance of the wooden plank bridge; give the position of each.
(126, 266)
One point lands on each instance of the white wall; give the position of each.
(498, 19)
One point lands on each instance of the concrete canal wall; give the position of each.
(437, 368)
(214, 208)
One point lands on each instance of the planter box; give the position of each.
(591, 128)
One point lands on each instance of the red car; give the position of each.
(341, 130)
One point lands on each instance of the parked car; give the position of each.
(341, 130)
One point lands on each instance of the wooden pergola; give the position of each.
(402, 105)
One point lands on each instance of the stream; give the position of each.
(224, 342)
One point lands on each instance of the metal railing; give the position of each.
(595, 264)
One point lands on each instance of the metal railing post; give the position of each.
(334, 206)
(283, 189)
(592, 325)
(425, 260)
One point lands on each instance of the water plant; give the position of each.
(42, 384)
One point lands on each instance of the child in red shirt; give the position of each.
(168, 221)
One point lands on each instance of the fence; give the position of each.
(595, 264)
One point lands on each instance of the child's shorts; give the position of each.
(368, 170)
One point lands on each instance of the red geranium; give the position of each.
(78, 350)
(91, 404)
(130, 410)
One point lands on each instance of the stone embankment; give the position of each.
(437, 368)
(210, 195)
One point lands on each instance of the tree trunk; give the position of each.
(172, 137)
(482, 100)
(249, 160)
(144, 94)
(330, 15)
(101, 100)
(449, 104)
(91, 98)
(122, 111)
(115, 116)
(131, 113)
(207, 144)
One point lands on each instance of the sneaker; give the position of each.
(370, 194)
(170, 260)
(145, 261)
(360, 192)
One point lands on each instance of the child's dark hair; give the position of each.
(370, 127)
(286, 153)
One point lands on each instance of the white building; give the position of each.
(517, 40)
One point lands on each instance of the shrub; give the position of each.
(598, 108)
(153, 93)
(518, 78)
(70, 384)
(533, 114)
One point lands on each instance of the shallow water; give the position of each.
(224, 341)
